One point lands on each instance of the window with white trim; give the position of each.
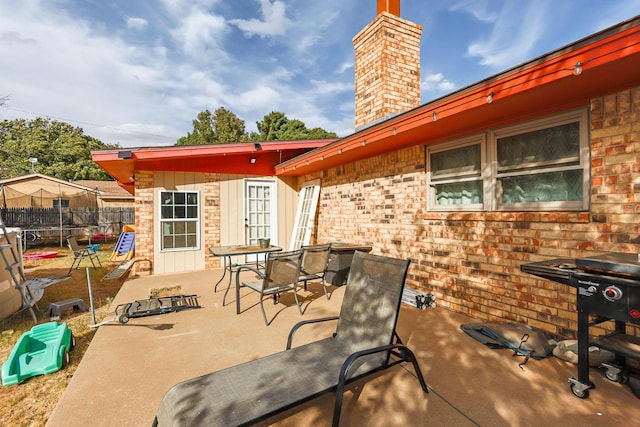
(456, 180)
(541, 164)
(179, 220)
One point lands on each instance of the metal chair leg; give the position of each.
(295, 295)
(324, 288)
(264, 314)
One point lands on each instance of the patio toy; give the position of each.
(153, 306)
(101, 236)
(42, 350)
(39, 255)
(121, 270)
(125, 246)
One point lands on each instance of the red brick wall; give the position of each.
(144, 222)
(211, 236)
(471, 261)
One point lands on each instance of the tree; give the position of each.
(228, 127)
(63, 151)
(275, 126)
(221, 127)
(270, 127)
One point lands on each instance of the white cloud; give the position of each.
(436, 82)
(130, 134)
(62, 70)
(479, 9)
(200, 31)
(180, 8)
(137, 23)
(259, 98)
(273, 23)
(345, 66)
(322, 87)
(515, 32)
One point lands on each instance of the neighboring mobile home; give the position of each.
(37, 190)
(42, 191)
(110, 194)
(537, 162)
(50, 208)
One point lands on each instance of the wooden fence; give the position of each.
(42, 225)
(66, 217)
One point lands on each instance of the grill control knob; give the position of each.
(612, 293)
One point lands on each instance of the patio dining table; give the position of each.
(229, 251)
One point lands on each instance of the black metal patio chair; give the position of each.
(280, 274)
(365, 342)
(315, 259)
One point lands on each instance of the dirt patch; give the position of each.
(31, 402)
(165, 292)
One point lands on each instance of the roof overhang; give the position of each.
(242, 158)
(609, 61)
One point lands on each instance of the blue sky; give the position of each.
(137, 72)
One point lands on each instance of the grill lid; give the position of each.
(613, 263)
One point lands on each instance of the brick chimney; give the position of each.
(387, 65)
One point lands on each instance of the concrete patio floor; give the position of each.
(128, 368)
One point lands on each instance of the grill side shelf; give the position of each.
(558, 270)
(625, 345)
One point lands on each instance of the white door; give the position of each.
(305, 216)
(260, 211)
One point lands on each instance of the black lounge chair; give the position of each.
(365, 342)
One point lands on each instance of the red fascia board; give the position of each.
(220, 158)
(176, 152)
(224, 149)
(539, 87)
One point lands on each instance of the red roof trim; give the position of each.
(242, 158)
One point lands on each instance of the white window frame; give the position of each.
(491, 173)
(457, 177)
(305, 215)
(60, 203)
(581, 117)
(162, 221)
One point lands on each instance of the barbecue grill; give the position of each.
(607, 289)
